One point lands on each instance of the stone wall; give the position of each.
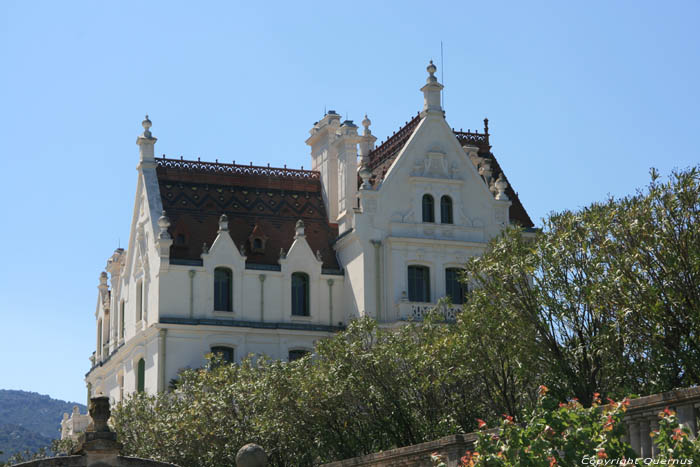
(452, 447)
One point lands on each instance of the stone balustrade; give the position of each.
(642, 416)
(417, 311)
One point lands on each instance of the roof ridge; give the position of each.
(236, 169)
(388, 147)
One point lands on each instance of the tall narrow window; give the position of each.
(428, 208)
(223, 289)
(107, 337)
(141, 375)
(139, 301)
(446, 210)
(418, 284)
(454, 288)
(121, 319)
(99, 336)
(226, 353)
(300, 294)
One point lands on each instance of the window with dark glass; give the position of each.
(223, 289)
(300, 294)
(139, 301)
(418, 284)
(428, 208)
(141, 375)
(446, 210)
(296, 354)
(226, 353)
(121, 319)
(454, 288)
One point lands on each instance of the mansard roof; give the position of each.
(382, 157)
(269, 199)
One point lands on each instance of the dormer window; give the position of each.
(223, 289)
(257, 240)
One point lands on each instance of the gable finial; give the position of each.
(223, 223)
(299, 229)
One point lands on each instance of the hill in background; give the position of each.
(29, 420)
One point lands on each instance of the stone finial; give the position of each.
(164, 224)
(146, 142)
(365, 175)
(431, 70)
(318, 255)
(366, 122)
(205, 248)
(251, 455)
(242, 249)
(501, 185)
(283, 254)
(485, 169)
(99, 412)
(299, 229)
(146, 124)
(103, 279)
(223, 223)
(431, 93)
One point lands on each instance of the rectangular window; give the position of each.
(300, 294)
(418, 284)
(139, 301)
(454, 288)
(226, 353)
(121, 319)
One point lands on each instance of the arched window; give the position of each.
(428, 208)
(296, 354)
(446, 210)
(418, 284)
(300, 294)
(223, 289)
(226, 353)
(141, 375)
(454, 288)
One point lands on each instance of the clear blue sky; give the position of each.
(582, 97)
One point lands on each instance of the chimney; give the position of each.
(324, 158)
(346, 146)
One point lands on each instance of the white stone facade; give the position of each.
(160, 313)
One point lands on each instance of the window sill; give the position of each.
(223, 314)
(301, 318)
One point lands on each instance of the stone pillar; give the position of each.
(654, 426)
(686, 417)
(644, 438)
(634, 440)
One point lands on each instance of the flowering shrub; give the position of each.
(674, 442)
(555, 434)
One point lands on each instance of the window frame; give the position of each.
(306, 311)
(428, 208)
(446, 204)
(228, 305)
(463, 288)
(223, 350)
(414, 295)
(141, 375)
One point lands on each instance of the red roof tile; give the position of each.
(196, 193)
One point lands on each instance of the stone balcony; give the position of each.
(417, 311)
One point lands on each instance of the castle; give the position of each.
(244, 259)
